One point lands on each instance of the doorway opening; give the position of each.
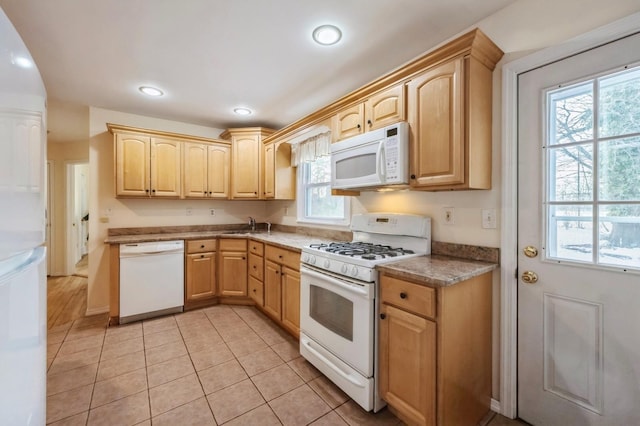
(77, 219)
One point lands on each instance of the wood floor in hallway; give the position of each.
(66, 299)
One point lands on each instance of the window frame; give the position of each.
(301, 201)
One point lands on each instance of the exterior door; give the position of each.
(579, 239)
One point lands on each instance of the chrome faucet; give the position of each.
(269, 228)
(252, 224)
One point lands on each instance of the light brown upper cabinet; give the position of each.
(380, 109)
(450, 119)
(206, 170)
(147, 166)
(246, 161)
(279, 175)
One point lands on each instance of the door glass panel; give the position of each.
(619, 169)
(571, 118)
(571, 173)
(332, 311)
(573, 233)
(620, 104)
(619, 235)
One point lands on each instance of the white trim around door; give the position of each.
(509, 256)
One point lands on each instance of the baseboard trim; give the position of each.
(495, 405)
(96, 311)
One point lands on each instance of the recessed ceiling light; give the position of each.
(151, 91)
(242, 111)
(327, 35)
(22, 62)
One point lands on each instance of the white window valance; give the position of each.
(307, 150)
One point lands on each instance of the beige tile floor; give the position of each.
(218, 365)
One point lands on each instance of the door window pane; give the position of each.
(331, 310)
(571, 173)
(619, 235)
(620, 104)
(571, 233)
(619, 169)
(571, 114)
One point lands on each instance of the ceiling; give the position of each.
(210, 56)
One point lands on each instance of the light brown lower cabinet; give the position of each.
(200, 272)
(282, 287)
(233, 267)
(435, 350)
(256, 272)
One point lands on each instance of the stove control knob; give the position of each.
(327, 263)
(354, 271)
(305, 258)
(312, 260)
(344, 269)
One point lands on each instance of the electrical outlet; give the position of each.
(448, 216)
(189, 211)
(489, 220)
(212, 212)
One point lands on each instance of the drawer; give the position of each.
(411, 297)
(201, 246)
(283, 257)
(256, 248)
(256, 291)
(256, 266)
(233, 244)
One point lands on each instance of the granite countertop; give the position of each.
(284, 239)
(437, 270)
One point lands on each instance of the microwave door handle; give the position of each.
(381, 165)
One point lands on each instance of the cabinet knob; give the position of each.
(256, 193)
(209, 192)
(280, 256)
(369, 123)
(383, 316)
(254, 290)
(254, 266)
(146, 190)
(243, 258)
(277, 272)
(413, 176)
(202, 256)
(153, 190)
(359, 126)
(202, 246)
(403, 295)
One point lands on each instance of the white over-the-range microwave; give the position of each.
(374, 159)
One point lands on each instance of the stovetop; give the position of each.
(363, 250)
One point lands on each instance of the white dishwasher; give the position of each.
(151, 279)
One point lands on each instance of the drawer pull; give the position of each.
(202, 256)
(403, 295)
(383, 316)
(254, 290)
(202, 246)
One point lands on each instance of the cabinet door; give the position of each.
(132, 165)
(195, 170)
(435, 104)
(246, 168)
(201, 276)
(291, 300)
(233, 273)
(269, 171)
(272, 293)
(384, 108)
(285, 174)
(348, 122)
(256, 291)
(166, 167)
(408, 364)
(218, 171)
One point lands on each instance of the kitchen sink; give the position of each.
(239, 232)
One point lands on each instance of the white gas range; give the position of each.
(339, 294)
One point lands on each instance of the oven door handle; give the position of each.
(331, 365)
(350, 288)
(381, 169)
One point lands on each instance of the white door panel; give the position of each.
(578, 337)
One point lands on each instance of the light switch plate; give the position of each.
(448, 215)
(489, 220)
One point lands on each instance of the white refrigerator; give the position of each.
(23, 285)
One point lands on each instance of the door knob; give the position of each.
(529, 277)
(530, 251)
